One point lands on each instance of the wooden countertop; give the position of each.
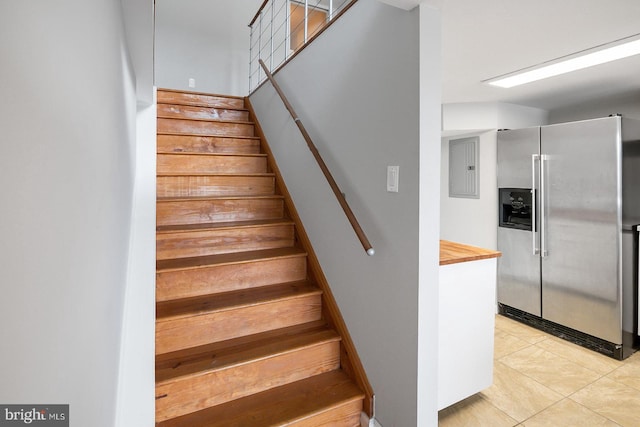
(452, 253)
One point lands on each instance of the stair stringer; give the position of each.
(349, 359)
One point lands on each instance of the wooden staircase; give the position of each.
(247, 332)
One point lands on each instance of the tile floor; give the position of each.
(540, 380)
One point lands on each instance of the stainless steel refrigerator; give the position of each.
(569, 196)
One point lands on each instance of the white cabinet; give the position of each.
(467, 318)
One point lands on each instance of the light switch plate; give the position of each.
(393, 178)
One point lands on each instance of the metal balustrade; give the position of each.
(281, 28)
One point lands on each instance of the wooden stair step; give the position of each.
(169, 96)
(175, 211)
(206, 127)
(228, 375)
(179, 365)
(191, 354)
(190, 277)
(329, 399)
(193, 322)
(172, 143)
(194, 185)
(197, 112)
(191, 240)
(211, 163)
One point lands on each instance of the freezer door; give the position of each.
(518, 267)
(515, 148)
(581, 197)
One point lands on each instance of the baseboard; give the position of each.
(365, 421)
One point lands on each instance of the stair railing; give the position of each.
(282, 28)
(325, 170)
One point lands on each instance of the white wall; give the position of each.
(136, 379)
(365, 114)
(205, 40)
(68, 117)
(471, 221)
(628, 106)
(429, 218)
(136, 382)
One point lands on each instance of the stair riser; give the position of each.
(212, 242)
(194, 186)
(195, 127)
(224, 278)
(201, 113)
(167, 97)
(347, 415)
(223, 210)
(207, 144)
(193, 394)
(180, 163)
(178, 334)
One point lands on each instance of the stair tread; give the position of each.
(203, 106)
(229, 258)
(220, 225)
(192, 153)
(193, 98)
(188, 307)
(234, 354)
(279, 406)
(204, 198)
(257, 138)
(209, 120)
(194, 353)
(195, 92)
(259, 174)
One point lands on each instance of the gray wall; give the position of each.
(205, 40)
(356, 89)
(68, 166)
(139, 30)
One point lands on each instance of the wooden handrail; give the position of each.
(264, 3)
(325, 170)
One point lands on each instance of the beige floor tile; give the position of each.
(505, 343)
(628, 374)
(551, 370)
(517, 395)
(634, 358)
(613, 400)
(584, 357)
(568, 413)
(474, 411)
(519, 330)
(533, 370)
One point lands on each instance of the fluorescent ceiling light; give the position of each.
(599, 55)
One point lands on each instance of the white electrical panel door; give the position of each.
(464, 167)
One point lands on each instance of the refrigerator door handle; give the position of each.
(534, 229)
(543, 207)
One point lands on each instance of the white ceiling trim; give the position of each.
(410, 4)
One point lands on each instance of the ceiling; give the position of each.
(487, 38)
